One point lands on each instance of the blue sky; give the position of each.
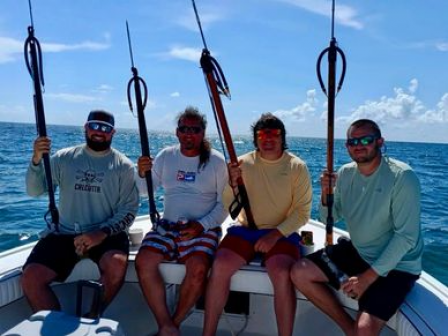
(397, 54)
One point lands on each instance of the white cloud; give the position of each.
(72, 98)
(175, 94)
(440, 114)
(150, 105)
(413, 86)
(104, 88)
(442, 107)
(12, 49)
(184, 53)
(429, 44)
(442, 46)
(88, 45)
(344, 15)
(402, 106)
(206, 16)
(302, 111)
(403, 115)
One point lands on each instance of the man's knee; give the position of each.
(197, 268)
(226, 263)
(114, 264)
(368, 324)
(36, 275)
(146, 260)
(300, 272)
(140, 261)
(279, 266)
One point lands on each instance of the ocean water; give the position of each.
(22, 216)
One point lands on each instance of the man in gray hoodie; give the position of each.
(98, 201)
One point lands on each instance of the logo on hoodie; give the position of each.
(86, 180)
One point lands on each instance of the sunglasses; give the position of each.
(264, 133)
(364, 140)
(101, 127)
(190, 129)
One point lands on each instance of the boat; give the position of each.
(249, 310)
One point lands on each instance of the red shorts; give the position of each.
(242, 240)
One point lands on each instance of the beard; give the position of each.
(98, 146)
(368, 157)
(188, 145)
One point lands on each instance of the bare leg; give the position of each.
(113, 265)
(312, 282)
(285, 301)
(192, 286)
(36, 280)
(225, 265)
(368, 325)
(153, 287)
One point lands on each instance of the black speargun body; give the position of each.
(33, 60)
(333, 50)
(141, 99)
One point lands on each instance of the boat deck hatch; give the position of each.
(237, 303)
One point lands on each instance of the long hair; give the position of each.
(206, 147)
(268, 120)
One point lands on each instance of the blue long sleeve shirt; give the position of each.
(382, 213)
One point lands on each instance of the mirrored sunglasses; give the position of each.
(364, 141)
(190, 129)
(100, 127)
(263, 133)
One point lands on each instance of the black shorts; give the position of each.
(57, 252)
(384, 296)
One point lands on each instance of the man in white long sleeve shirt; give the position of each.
(193, 176)
(98, 201)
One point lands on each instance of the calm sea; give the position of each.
(22, 216)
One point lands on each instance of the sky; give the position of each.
(396, 51)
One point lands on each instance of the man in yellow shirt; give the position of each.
(280, 195)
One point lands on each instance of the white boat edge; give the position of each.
(425, 311)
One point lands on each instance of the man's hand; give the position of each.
(144, 164)
(234, 173)
(357, 285)
(42, 145)
(325, 185)
(190, 230)
(86, 241)
(267, 242)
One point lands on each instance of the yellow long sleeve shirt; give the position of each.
(280, 192)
